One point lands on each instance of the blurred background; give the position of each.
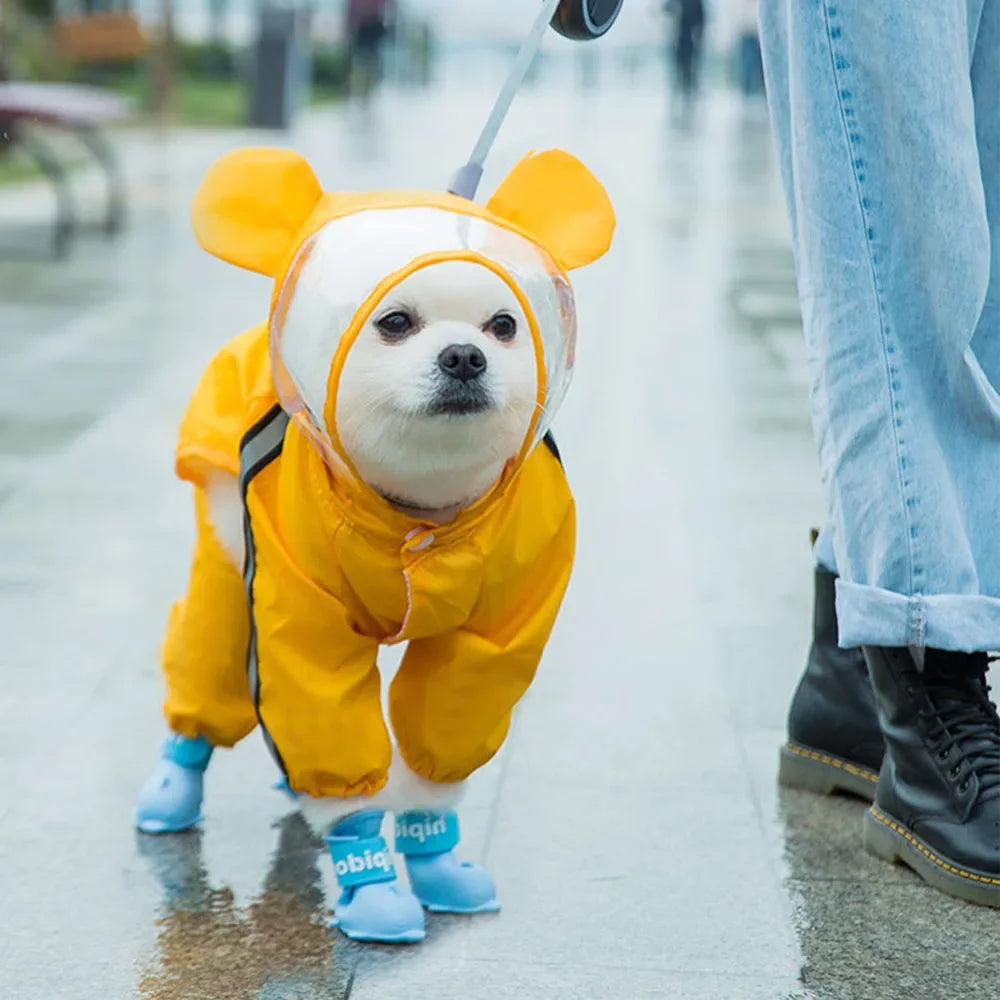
(632, 821)
(196, 61)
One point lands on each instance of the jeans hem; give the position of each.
(870, 616)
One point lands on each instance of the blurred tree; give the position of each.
(26, 44)
(164, 61)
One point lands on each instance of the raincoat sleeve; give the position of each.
(205, 650)
(452, 698)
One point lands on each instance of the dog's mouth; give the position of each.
(459, 399)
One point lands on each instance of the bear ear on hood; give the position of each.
(250, 205)
(554, 198)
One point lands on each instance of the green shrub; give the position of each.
(209, 60)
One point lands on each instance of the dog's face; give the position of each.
(438, 390)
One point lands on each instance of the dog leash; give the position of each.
(577, 19)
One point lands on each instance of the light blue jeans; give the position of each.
(887, 120)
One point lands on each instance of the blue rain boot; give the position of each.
(440, 881)
(170, 800)
(372, 906)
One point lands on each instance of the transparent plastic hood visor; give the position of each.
(361, 258)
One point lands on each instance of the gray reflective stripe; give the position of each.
(264, 438)
(261, 446)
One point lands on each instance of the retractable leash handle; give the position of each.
(577, 19)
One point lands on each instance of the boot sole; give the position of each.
(493, 906)
(157, 827)
(409, 937)
(802, 767)
(404, 937)
(887, 839)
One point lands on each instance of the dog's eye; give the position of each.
(395, 325)
(503, 326)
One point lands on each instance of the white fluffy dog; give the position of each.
(387, 426)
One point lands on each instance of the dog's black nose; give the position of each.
(462, 361)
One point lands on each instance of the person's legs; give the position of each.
(882, 172)
(939, 697)
(363, 58)
(683, 57)
(757, 83)
(892, 224)
(751, 73)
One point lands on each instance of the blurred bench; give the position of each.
(82, 111)
(100, 36)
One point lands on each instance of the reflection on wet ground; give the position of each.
(209, 948)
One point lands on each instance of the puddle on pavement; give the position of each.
(209, 948)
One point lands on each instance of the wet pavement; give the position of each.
(632, 822)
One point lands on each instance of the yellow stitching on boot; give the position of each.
(834, 762)
(896, 828)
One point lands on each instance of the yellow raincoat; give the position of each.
(332, 569)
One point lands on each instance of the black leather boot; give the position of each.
(937, 806)
(834, 742)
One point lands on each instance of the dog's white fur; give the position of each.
(435, 463)
(225, 512)
(404, 790)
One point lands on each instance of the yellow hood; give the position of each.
(263, 209)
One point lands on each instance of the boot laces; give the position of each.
(962, 721)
